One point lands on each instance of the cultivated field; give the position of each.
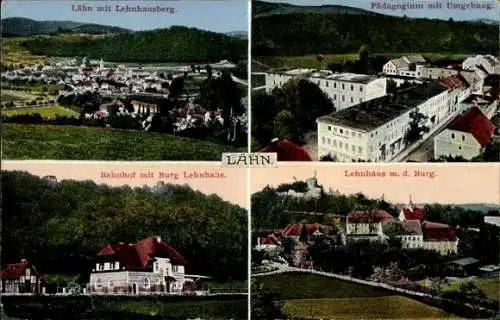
(307, 296)
(85, 143)
(14, 53)
(45, 112)
(309, 61)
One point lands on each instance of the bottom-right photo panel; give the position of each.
(370, 241)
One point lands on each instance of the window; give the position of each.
(361, 88)
(343, 86)
(98, 283)
(353, 148)
(453, 136)
(176, 268)
(352, 87)
(360, 100)
(147, 283)
(326, 83)
(360, 150)
(352, 99)
(329, 141)
(347, 132)
(341, 131)
(111, 284)
(340, 144)
(343, 98)
(353, 133)
(463, 138)
(459, 148)
(335, 97)
(335, 84)
(323, 140)
(329, 128)
(334, 143)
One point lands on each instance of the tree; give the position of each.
(176, 87)
(416, 128)
(264, 303)
(491, 152)
(284, 126)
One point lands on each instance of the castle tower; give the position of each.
(101, 64)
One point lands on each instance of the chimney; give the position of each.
(158, 238)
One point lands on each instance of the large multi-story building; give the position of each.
(366, 225)
(375, 130)
(344, 89)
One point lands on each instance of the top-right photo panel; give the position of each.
(376, 81)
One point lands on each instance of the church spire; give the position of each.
(411, 201)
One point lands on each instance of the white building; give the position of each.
(363, 225)
(148, 266)
(375, 130)
(141, 107)
(313, 191)
(412, 236)
(343, 89)
(487, 62)
(466, 136)
(439, 237)
(407, 66)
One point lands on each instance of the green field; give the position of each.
(14, 53)
(11, 95)
(490, 286)
(85, 143)
(307, 296)
(389, 307)
(45, 112)
(310, 62)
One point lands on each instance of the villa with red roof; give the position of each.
(147, 266)
(466, 136)
(366, 225)
(22, 277)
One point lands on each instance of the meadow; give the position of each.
(86, 143)
(306, 296)
(45, 112)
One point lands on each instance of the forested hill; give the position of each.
(272, 211)
(62, 226)
(28, 27)
(174, 44)
(263, 8)
(310, 33)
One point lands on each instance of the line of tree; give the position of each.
(306, 33)
(60, 226)
(175, 44)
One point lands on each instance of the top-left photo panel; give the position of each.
(124, 80)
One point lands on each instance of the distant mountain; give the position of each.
(487, 21)
(483, 207)
(238, 34)
(28, 27)
(264, 9)
(174, 44)
(288, 30)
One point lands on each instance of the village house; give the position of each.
(375, 130)
(343, 89)
(20, 278)
(148, 266)
(488, 62)
(439, 237)
(365, 225)
(466, 136)
(141, 107)
(268, 243)
(407, 66)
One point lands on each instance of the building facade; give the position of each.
(343, 89)
(20, 278)
(148, 266)
(375, 130)
(364, 225)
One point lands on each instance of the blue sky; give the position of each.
(213, 15)
(457, 14)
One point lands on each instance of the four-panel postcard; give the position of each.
(250, 159)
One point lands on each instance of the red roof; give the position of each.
(413, 213)
(412, 227)
(270, 240)
(438, 232)
(364, 217)
(454, 81)
(287, 151)
(15, 270)
(294, 230)
(136, 256)
(473, 121)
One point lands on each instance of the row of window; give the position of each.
(341, 145)
(327, 84)
(146, 283)
(107, 266)
(344, 131)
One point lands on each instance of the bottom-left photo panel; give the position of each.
(90, 240)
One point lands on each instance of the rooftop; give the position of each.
(374, 113)
(326, 74)
(474, 122)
